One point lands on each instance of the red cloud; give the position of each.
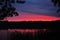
(32, 17)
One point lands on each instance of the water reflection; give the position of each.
(26, 34)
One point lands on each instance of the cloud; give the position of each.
(23, 16)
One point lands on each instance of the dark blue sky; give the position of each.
(35, 10)
(44, 7)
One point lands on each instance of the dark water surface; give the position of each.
(27, 35)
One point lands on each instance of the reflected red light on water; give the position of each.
(24, 31)
(44, 29)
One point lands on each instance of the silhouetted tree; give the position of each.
(56, 3)
(7, 10)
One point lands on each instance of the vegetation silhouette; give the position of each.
(56, 3)
(7, 10)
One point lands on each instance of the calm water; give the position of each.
(5, 35)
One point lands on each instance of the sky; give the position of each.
(44, 7)
(36, 10)
(24, 16)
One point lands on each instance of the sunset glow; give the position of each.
(23, 16)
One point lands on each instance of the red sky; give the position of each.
(23, 16)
